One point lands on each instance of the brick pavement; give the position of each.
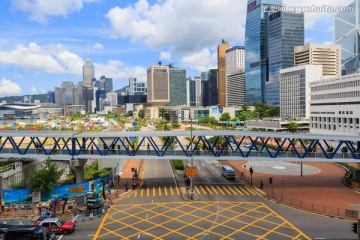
(324, 188)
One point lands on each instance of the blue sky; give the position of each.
(43, 42)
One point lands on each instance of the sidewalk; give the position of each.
(127, 174)
(324, 188)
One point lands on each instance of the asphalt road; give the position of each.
(228, 209)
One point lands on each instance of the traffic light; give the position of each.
(270, 180)
(354, 227)
(251, 170)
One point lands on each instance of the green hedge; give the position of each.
(178, 164)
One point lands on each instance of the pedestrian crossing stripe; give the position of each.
(200, 190)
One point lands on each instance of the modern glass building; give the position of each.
(285, 31)
(177, 80)
(346, 33)
(88, 71)
(256, 49)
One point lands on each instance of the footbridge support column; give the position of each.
(79, 166)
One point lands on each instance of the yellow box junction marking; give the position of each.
(248, 216)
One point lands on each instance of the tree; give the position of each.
(261, 109)
(141, 113)
(245, 107)
(46, 178)
(293, 126)
(225, 117)
(161, 112)
(130, 113)
(273, 112)
(166, 116)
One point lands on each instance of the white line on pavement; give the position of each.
(203, 173)
(173, 175)
(217, 172)
(139, 235)
(60, 237)
(208, 180)
(147, 215)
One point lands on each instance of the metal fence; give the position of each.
(311, 206)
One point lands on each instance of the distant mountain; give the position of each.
(12, 99)
(121, 89)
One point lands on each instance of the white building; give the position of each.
(235, 59)
(112, 96)
(235, 77)
(335, 106)
(295, 90)
(327, 55)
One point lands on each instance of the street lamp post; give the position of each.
(192, 162)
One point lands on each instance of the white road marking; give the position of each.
(208, 180)
(139, 235)
(217, 172)
(173, 175)
(203, 173)
(152, 201)
(203, 164)
(63, 235)
(147, 215)
(212, 167)
(90, 235)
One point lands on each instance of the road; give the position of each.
(226, 209)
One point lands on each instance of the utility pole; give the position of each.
(192, 161)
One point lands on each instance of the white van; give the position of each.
(228, 172)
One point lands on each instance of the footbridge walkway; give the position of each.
(199, 145)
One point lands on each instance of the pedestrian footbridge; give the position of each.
(198, 145)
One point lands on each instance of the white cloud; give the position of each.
(34, 90)
(118, 71)
(311, 18)
(201, 61)
(165, 55)
(328, 42)
(181, 26)
(97, 46)
(8, 88)
(32, 57)
(40, 10)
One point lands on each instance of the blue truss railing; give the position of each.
(206, 145)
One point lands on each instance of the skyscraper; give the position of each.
(177, 80)
(222, 71)
(235, 76)
(88, 72)
(256, 49)
(346, 33)
(158, 85)
(285, 31)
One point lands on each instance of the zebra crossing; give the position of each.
(206, 190)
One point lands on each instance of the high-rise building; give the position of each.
(346, 34)
(235, 76)
(177, 80)
(158, 85)
(285, 31)
(235, 88)
(327, 55)
(256, 49)
(221, 57)
(112, 98)
(88, 72)
(198, 99)
(295, 90)
(235, 59)
(209, 88)
(190, 92)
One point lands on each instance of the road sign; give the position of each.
(132, 139)
(282, 182)
(134, 124)
(191, 171)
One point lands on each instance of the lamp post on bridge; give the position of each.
(192, 161)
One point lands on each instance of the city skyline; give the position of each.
(43, 44)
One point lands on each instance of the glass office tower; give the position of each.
(256, 49)
(346, 33)
(285, 31)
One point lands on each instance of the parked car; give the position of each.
(247, 145)
(57, 225)
(28, 233)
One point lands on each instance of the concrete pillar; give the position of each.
(79, 166)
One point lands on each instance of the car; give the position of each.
(247, 145)
(57, 225)
(28, 233)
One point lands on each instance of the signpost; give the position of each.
(190, 171)
(282, 182)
